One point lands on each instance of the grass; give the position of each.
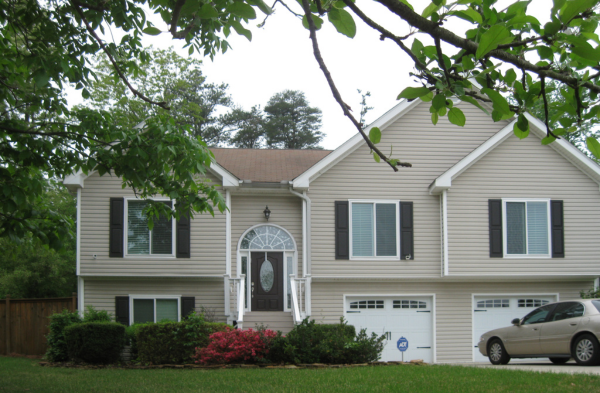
(25, 375)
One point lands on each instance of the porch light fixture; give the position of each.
(267, 213)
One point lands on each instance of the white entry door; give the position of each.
(496, 311)
(410, 318)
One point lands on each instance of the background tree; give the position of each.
(30, 269)
(247, 127)
(46, 46)
(163, 77)
(291, 123)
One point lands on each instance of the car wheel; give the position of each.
(585, 350)
(559, 360)
(496, 352)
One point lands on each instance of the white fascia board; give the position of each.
(567, 150)
(228, 179)
(303, 181)
(444, 181)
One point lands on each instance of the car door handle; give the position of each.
(534, 329)
(573, 324)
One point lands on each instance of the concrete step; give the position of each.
(274, 320)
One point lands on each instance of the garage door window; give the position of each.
(529, 303)
(365, 304)
(409, 304)
(493, 303)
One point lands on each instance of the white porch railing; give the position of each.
(300, 289)
(239, 285)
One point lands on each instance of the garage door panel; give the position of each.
(497, 311)
(407, 317)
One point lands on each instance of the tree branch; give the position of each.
(546, 121)
(434, 30)
(162, 104)
(336, 93)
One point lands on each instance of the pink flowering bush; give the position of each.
(236, 346)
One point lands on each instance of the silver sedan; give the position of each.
(558, 331)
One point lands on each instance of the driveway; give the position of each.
(540, 366)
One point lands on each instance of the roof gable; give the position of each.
(564, 148)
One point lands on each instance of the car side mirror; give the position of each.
(516, 322)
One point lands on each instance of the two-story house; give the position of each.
(483, 228)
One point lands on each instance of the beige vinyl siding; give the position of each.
(522, 169)
(209, 293)
(453, 304)
(431, 150)
(207, 238)
(247, 211)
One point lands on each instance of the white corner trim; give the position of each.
(445, 229)
(80, 295)
(303, 181)
(228, 233)
(444, 181)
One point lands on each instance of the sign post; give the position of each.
(402, 345)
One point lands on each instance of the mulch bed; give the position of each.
(133, 366)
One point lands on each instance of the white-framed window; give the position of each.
(526, 226)
(374, 229)
(154, 308)
(139, 240)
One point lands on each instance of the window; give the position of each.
(409, 304)
(567, 310)
(538, 315)
(532, 302)
(493, 303)
(374, 229)
(526, 227)
(150, 309)
(143, 241)
(367, 304)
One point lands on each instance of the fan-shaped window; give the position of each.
(267, 237)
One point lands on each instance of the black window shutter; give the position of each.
(406, 231)
(558, 229)
(495, 221)
(183, 236)
(122, 309)
(342, 230)
(188, 305)
(116, 227)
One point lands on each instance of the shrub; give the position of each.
(57, 346)
(309, 342)
(173, 342)
(95, 342)
(236, 346)
(364, 349)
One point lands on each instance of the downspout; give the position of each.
(228, 233)
(80, 285)
(445, 230)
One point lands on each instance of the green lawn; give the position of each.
(25, 375)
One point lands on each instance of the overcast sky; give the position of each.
(280, 57)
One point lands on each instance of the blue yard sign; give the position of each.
(402, 344)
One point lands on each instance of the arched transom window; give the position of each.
(267, 237)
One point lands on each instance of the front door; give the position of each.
(266, 287)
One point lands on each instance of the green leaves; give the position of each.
(151, 30)
(41, 78)
(241, 30)
(242, 10)
(593, 146)
(456, 116)
(207, 11)
(342, 21)
(521, 127)
(496, 35)
(500, 104)
(575, 7)
(410, 93)
(375, 135)
(316, 20)
(262, 6)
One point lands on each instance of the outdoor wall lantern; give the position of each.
(267, 213)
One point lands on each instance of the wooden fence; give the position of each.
(24, 323)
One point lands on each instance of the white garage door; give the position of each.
(408, 317)
(493, 312)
